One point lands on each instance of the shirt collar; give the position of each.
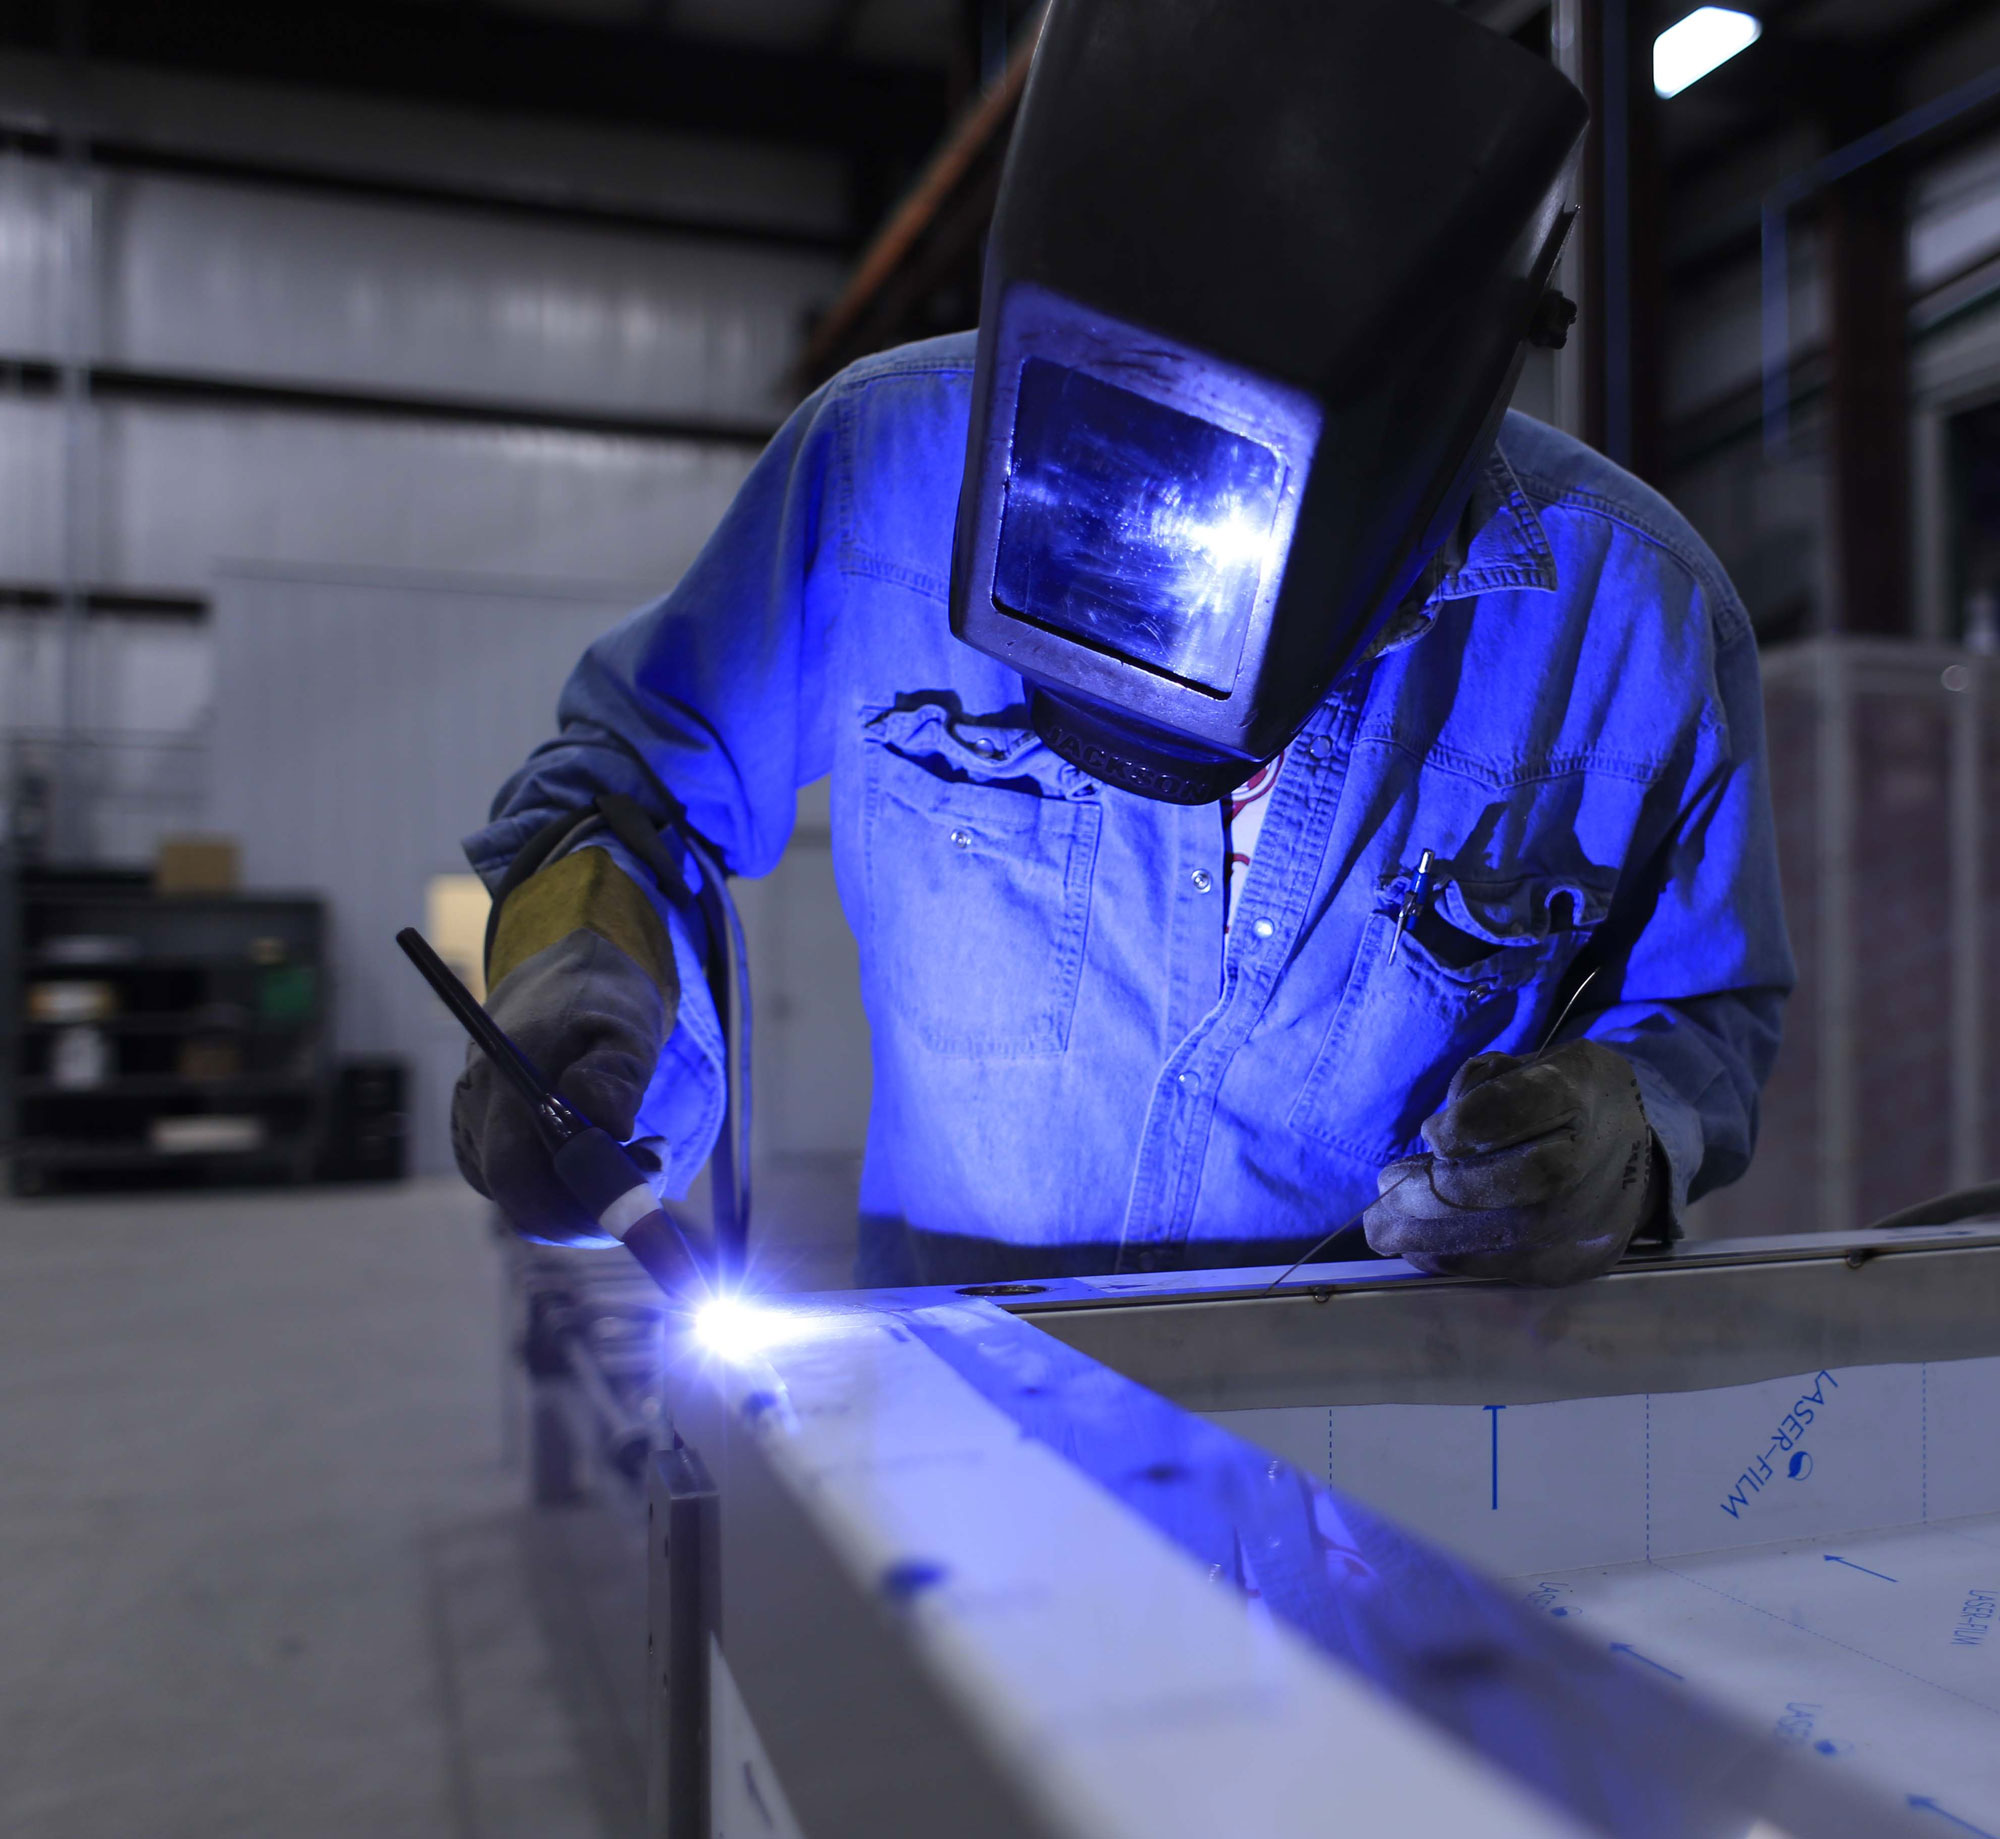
(1509, 547)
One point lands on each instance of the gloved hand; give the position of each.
(590, 1013)
(1541, 1170)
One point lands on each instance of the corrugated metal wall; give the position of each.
(417, 454)
(187, 487)
(256, 283)
(292, 374)
(363, 720)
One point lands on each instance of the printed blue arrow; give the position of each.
(1625, 1647)
(1852, 1566)
(1925, 1804)
(1493, 1417)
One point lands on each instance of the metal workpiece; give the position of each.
(971, 1578)
(938, 1624)
(814, 1611)
(963, 1561)
(1703, 1314)
(586, 1333)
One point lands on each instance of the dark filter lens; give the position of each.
(1139, 529)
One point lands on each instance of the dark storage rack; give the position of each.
(216, 1009)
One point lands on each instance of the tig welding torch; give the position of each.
(591, 1162)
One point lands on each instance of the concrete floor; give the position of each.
(263, 1568)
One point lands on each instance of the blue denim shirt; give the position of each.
(1069, 1052)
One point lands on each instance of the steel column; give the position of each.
(71, 828)
(1601, 46)
(1835, 970)
(683, 1523)
(1870, 401)
(1970, 1159)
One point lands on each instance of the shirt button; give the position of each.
(1202, 880)
(1263, 928)
(962, 839)
(1190, 1082)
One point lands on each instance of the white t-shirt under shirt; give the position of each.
(1243, 818)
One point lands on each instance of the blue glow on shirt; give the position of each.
(1069, 1056)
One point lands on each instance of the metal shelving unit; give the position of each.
(164, 1039)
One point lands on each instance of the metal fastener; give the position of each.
(962, 838)
(1202, 880)
(1263, 928)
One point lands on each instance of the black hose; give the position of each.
(1944, 1209)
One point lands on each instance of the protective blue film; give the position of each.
(1140, 529)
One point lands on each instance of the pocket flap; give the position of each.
(986, 750)
(978, 859)
(1526, 910)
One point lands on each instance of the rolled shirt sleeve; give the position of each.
(717, 687)
(1700, 987)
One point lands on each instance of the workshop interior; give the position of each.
(1064, 918)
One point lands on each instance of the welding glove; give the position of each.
(582, 977)
(1540, 1171)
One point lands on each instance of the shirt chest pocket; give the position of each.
(980, 844)
(1480, 966)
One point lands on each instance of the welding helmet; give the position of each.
(1259, 284)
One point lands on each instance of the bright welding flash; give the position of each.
(733, 1329)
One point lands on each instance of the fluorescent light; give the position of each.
(1710, 35)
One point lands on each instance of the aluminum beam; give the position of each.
(1715, 1313)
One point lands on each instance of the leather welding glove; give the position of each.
(1540, 1171)
(582, 977)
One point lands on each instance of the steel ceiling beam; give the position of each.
(487, 57)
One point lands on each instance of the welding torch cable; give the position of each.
(591, 1163)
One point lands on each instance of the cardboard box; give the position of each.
(196, 865)
(455, 910)
(71, 1002)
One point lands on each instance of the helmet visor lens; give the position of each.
(1135, 528)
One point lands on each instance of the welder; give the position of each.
(1272, 783)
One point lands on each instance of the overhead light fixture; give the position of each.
(1686, 52)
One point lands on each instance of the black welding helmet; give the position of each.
(1258, 288)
